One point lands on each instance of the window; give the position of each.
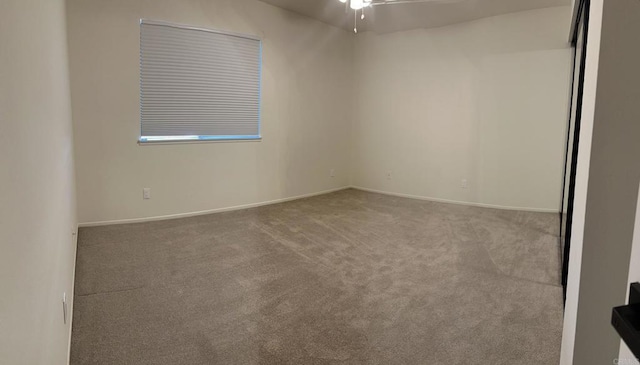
(198, 84)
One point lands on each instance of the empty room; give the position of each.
(319, 182)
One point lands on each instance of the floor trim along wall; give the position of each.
(276, 201)
(210, 211)
(419, 197)
(71, 296)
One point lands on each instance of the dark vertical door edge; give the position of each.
(583, 20)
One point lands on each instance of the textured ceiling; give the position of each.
(397, 17)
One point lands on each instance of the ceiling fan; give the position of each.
(360, 5)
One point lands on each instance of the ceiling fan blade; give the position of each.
(393, 2)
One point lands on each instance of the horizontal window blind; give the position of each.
(198, 84)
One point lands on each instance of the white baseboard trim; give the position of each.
(282, 200)
(457, 202)
(71, 296)
(209, 211)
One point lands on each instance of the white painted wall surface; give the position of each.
(306, 112)
(37, 198)
(484, 101)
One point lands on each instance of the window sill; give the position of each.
(196, 141)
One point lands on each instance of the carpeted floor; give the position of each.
(345, 278)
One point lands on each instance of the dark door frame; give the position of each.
(581, 20)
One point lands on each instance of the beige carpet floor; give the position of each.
(344, 278)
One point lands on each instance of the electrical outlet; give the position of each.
(389, 175)
(332, 173)
(64, 307)
(146, 193)
(464, 184)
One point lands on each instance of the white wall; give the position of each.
(306, 112)
(37, 201)
(484, 101)
(606, 185)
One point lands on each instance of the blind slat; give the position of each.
(198, 83)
